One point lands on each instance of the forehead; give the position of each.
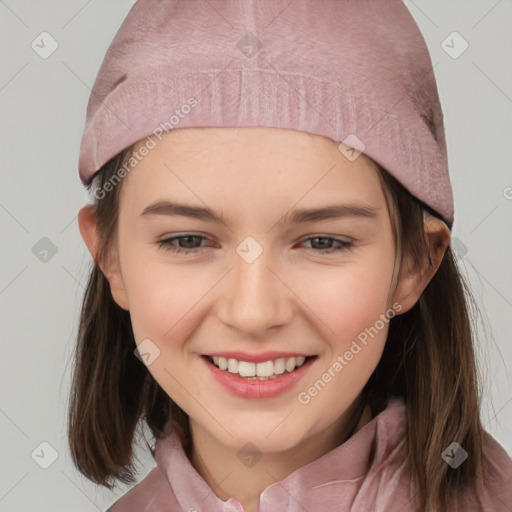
(231, 164)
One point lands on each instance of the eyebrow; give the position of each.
(296, 216)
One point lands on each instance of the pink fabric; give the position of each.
(336, 482)
(357, 71)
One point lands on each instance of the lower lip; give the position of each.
(254, 388)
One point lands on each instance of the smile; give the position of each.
(244, 379)
(262, 371)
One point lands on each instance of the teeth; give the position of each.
(290, 364)
(264, 370)
(246, 369)
(279, 365)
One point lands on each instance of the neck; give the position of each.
(220, 467)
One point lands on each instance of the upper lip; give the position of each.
(260, 357)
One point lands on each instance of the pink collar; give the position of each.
(340, 467)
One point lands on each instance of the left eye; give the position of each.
(190, 240)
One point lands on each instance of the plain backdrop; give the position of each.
(43, 104)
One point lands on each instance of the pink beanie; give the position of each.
(357, 71)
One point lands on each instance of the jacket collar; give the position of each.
(348, 462)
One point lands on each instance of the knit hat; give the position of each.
(357, 71)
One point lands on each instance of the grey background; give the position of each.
(43, 104)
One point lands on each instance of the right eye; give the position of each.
(168, 243)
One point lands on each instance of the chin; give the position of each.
(264, 439)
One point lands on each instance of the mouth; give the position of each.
(262, 380)
(266, 370)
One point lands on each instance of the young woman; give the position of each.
(273, 292)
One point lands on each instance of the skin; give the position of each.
(292, 297)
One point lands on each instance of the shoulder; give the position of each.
(152, 494)
(494, 492)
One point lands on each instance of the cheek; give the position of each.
(354, 306)
(347, 300)
(163, 298)
(353, 303)
(164, 306)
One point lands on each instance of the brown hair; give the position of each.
(428, 360)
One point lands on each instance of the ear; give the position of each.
(110, 268)
(413, 278)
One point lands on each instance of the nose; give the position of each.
(255, 296)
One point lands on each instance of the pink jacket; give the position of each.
(339, 481)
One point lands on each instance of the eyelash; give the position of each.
(166, 244)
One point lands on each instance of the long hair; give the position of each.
(428, 360)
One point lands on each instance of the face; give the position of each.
(267, 281)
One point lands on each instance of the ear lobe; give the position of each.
(415, 278)
(89, 232)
